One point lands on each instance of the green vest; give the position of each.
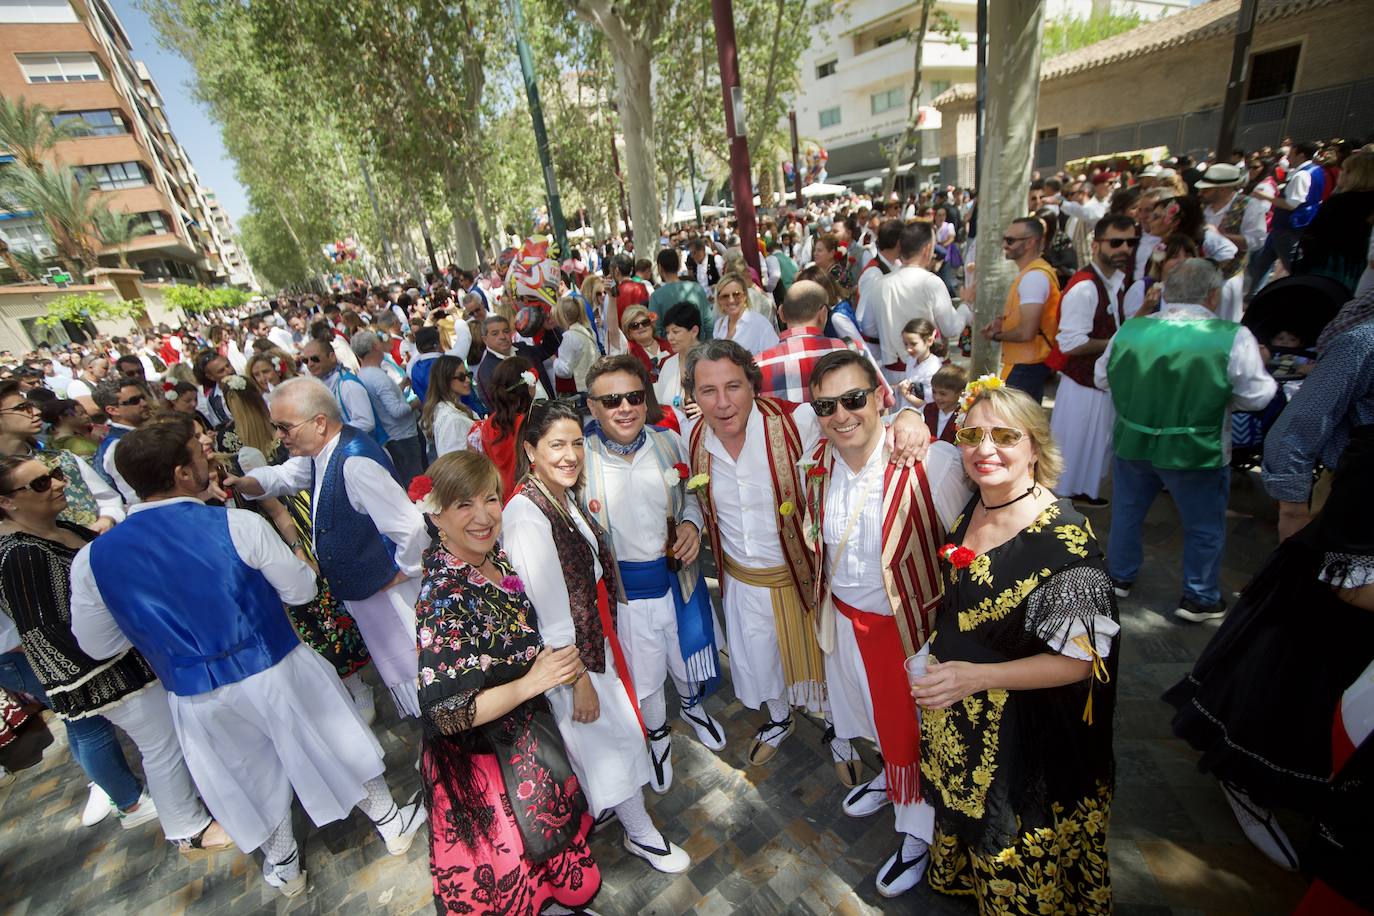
(1171, 391)
(787, 270)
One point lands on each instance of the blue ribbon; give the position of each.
(696, 632)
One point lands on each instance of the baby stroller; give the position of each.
(1301, 306)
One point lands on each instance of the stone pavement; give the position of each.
(763, 840)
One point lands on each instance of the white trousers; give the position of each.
(147, 719)
(851, 703)
(1082, 425)
(755, 659)
(386, 621)
(647, 628)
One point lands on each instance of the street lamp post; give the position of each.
(541, 136)
(723, 14)
(796, 157)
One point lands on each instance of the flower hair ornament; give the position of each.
(527, 378)
(235, 382)
(975, 388)
(421, 493)
(169, 391)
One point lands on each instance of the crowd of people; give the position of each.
(503, 491)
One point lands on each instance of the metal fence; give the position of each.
(1346, 110)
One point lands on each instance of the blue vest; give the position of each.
(354, 556)
(1303, 214)
(114, 435)
(419, 377)
(214, 622)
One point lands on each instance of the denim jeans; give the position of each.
(1030, 378)
(1200, 497)
(92, 740)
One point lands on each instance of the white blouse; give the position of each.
(752, 332)
(451, 428)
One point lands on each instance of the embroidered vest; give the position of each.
(82, 508)
(783, 442)
(911, 536)
(1105, 323)
(579, 573)
(216, 621)
(114, 435)
(356, 558)
(1171, 391)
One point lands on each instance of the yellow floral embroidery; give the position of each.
(1057, 869)
(945, 759)
(1088, 527)
(1044, 518)
(990, 609)
(980, 570)
(1075, 539)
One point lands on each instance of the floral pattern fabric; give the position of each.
(1022, 780)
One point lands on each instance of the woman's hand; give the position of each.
(586, 705)
(688, 543)
(904, 389)
(553, 667)
(946, 683)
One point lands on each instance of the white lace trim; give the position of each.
(1347, 570)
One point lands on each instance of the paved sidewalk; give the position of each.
(764, 840)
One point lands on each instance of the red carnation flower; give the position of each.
(816, 473)
(420, 487)
(683, 472)
(958, 557)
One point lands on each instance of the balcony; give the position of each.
(863, 14)
(876, 69)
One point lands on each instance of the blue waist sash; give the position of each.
(696, 632)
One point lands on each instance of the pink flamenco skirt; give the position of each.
(497, 878)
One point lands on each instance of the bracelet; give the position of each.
(296, 545)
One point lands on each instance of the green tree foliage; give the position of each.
(1069, 31)
(79, 307)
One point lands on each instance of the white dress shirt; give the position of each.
(906, 293)
(126, 491)
(371, 490)
(864, 310)
(1078, 308)
(108, 502)
(752, 332)
(461, 344)
(742, 490)
(636, 500)
(281, 339)
(1252, 223)
(1088, 212)
(257, 544)
(856, 575)
(353, 399)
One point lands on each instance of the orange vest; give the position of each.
(1037, 348)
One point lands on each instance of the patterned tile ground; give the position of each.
(763, 840)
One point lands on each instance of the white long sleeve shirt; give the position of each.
(636, 499)
(527, 537)
(1253, 226)
(255, 541)
(1078, 308)
(906, 293)
(353, 399)
(108, 463)
(371, 490)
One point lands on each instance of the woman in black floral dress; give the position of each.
(1016, 722)
(508, 821)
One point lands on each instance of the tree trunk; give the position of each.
(910, 135)
(1014, 28)
(634, 76)
(460, 205)
(7, 256)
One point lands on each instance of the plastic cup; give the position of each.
(915, 666)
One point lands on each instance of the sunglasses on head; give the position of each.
(851, 400)
(639, 325)
(41, 484)
(1117, 243)
(611, 401)
(1002, 436)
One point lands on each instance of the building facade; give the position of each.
(1308, 78)
(74, 57)
(857, 73)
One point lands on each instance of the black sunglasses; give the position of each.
(611, 401)
(1117, 243)
(312, 359)
(461, 376)
(1013, 239)
(639, 325)
(851, 400)
(136, 399)
(41, 484)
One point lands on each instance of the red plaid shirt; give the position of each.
(787, 366)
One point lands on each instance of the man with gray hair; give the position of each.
(368, 536)
(1175, 376)
(399, 434)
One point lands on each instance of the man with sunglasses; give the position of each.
(355, 403)
(1030, 318)
(877, 589)
(1090, 312)
(744, 455)
(667, 628)
(124, 402)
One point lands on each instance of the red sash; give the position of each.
(603, 607)
(894, 709)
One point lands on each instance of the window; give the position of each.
(100, 123)
(890, 38)
(888, 100)
(27, 233)
(1273, 72)
(165, 269)
(826, 69)
(115, 175)
(153, 221)
(830, 117)
(36, 11)
(937, 88)
(60, 68)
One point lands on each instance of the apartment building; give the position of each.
(856, 76)
(74, 57)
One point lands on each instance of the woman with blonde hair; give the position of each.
(736, 320)
(578, 348)
(1020, 688)
(638, 324)
(269, 369)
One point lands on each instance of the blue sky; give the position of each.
(198, 134)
